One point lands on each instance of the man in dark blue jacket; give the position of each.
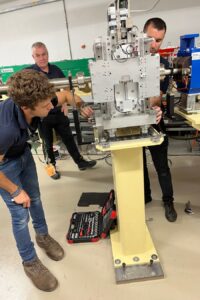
(57, 118)
(156, 28)
(32, 97)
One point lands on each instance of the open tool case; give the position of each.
(93, 225)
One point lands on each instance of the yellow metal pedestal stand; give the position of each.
(134, 254)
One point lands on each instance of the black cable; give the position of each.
(185, 154)
(183, 138)
(125, 50)
(106, 160)
(105, 155)
(43, 154)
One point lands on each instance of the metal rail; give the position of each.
(64, 82)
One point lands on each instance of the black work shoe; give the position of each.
(41, 277)
(56, 175)
(170, 213)
(148, 199)
(51, 247)
(84, 164)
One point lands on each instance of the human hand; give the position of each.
(86, 111)
(158, 113)
(23, 198)
(78, 101)
(64, 109)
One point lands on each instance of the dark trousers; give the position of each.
(160, 160)
(60, 123)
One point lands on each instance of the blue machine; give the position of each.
(187, 79)
(188, 49)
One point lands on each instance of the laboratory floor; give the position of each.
(86, 272)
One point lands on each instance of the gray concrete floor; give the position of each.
(86, 272)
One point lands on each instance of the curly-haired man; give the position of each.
(31, 98)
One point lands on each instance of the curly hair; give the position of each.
(29, 87)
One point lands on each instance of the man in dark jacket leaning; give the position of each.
(57, 118)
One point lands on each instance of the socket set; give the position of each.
(93, 225)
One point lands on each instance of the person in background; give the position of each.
(156, 28)
(57, 118)
(32, 97)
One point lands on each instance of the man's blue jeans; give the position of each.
(22, 172)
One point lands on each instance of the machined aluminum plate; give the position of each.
(139, 272)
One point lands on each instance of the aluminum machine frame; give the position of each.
(124, 75)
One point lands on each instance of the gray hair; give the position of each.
(38, 45)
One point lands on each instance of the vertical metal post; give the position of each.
(75, 112)
(67, 27)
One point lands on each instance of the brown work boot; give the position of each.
(40, 275)
(51, 247)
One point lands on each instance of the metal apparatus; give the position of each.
(188, 83)
(123, 76)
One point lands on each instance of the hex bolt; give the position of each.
(117, 261)
(136, 258)
(154, 256)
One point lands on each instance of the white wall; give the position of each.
(87, 20)
(179, 22)
(20, 29)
